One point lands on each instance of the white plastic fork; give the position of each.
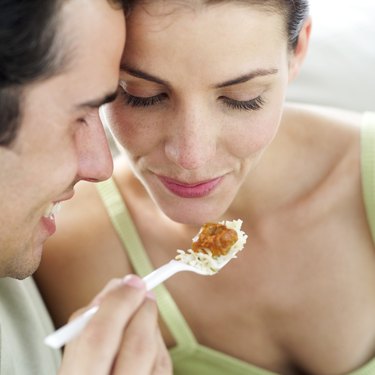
(70, 330)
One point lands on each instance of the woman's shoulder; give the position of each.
(327, 142)
(331, 132)
(327, 134)
(328, 119)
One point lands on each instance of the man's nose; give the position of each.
(95, 161)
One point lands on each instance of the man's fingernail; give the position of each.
(133, 281)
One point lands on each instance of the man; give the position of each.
(59, 62)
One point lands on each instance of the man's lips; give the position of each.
(48, 219)
(49, 224)
(196, 190)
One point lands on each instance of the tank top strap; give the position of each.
(127, 232)
(368, 167)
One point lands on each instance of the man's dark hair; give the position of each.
(29, 52)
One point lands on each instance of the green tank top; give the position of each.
(188, 356)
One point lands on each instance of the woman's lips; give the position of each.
(196, 190)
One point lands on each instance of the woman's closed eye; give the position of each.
(138, 101)
(148, 101)
(247, 105)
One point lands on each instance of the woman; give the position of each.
(207, 136)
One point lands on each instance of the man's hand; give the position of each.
(123, 337)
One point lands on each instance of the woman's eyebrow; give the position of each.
(247, 77)
(143, 75)
(235, 81)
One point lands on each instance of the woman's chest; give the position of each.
(306, 300)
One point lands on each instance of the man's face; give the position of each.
(61, 140)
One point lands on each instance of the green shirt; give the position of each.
(24, 322)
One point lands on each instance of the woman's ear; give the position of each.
(298, 55)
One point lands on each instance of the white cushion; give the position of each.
(339, 69)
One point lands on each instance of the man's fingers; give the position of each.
(143, 350)
(96, 348)
(163, 363)
(123, 337)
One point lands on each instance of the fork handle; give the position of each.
(70, 330)
(162, 273)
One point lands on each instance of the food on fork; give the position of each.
(214, 246)
(214, 237)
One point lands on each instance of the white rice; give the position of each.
(211, 264)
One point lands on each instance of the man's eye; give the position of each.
(247, 105)
(82, 120)
(137, 101)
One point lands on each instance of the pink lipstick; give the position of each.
(196, 190)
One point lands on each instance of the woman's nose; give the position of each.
(192, 141)
(94, 156)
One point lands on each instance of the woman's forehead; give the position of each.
(194, 5)
(159, 16)
(212, 44)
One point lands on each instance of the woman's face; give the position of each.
(202, 91)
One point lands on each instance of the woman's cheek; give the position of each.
(138, 136)
(119, 121)
(125, 133)
(255, 135)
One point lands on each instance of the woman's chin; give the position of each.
(192, 214)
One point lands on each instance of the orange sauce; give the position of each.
(215, 237)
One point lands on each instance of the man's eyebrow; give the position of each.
(247, 77)
(96, 103)
(139, 74)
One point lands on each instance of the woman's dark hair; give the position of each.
(297, 11)
(29, 51)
